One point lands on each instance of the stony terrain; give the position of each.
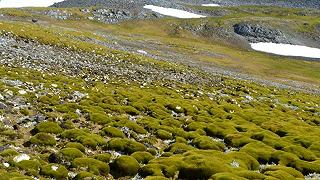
(93, 93)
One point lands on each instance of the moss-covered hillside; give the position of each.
(72, 107)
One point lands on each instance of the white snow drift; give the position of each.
(172, 12)
(287, 49)
(26, 3)
(211, 5)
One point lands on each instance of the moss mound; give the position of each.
(91, 165)
(112, 132)
(105, 157)
(76, 145)
(125, 145)
(43, 139)
(69, 154)
(142, 157)
(124, 166)
(47, 127)
(32, 167)
(54, 171)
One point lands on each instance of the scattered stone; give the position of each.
(3, 105)
(5, 164)
(235, 164)
(22, 92)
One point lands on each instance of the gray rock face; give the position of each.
(257, 33)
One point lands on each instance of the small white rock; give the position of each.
(6, 164)
(21, 157)
(22, 92)
(72, 174)
(54, 167)
(54, 85)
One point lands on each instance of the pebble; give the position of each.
(22, 92)
(54, 168)
(5, 164)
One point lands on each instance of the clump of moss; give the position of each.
(32, 167)
(8, 153)
(250, 174)
(125, 145)
(162, 134)
(237, 140)
(92, 165)
(151, 170)
(100, 118)
(315, 148)
(47, 127)
(301, 152)
(166, 154)
(198, 166)
(245, 160)
(54, 171)
(87, 175)
(105, 157)
(220, 129)
(306, 167)
(75, 145)
(288, 170)
(156, 178)
(69, 154)
(179, 148)
(283, 158)
(229, 176)
(13, 175)
(142, 157)
(205, 142)
(259, 151)
(124, 166)
(43, 139)
(85, 138)
(112, 132)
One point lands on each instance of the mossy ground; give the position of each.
(231, 130)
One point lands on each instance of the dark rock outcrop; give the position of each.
(258, 33)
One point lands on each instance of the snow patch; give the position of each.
(172, 12)
(27, 3)
(211, 5)
(142, 52)
(286, 49)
